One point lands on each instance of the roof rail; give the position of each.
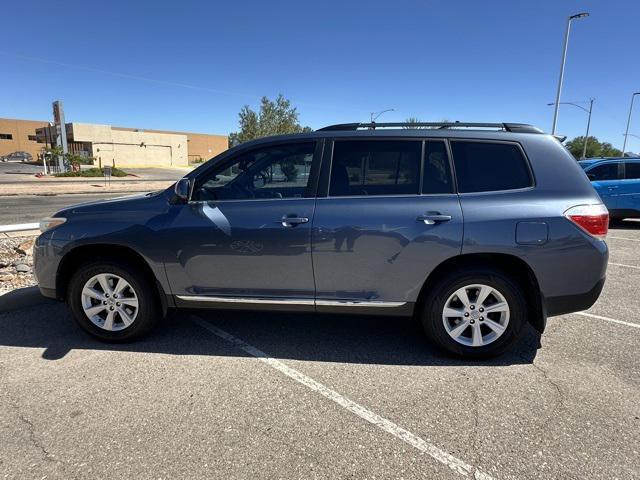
(507, 127)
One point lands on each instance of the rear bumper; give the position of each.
(573, 303)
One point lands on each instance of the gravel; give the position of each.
(16, 263)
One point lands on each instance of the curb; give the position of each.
(23, 298)
(19, 227)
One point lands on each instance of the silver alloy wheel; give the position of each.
(110, 302)
(476, 315)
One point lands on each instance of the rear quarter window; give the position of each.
(489, 167)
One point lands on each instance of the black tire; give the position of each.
(438, 294)
(148, 313)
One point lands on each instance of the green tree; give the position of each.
(595, 148)
(276, 117)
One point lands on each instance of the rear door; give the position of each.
(605, 178)
(387, 216)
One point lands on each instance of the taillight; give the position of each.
(593, 219)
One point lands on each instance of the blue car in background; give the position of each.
(617, 180)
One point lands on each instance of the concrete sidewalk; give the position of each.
(96, 185)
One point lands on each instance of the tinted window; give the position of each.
(486, 167)
(607, 171)
(437, 172)
(632, 169)
(280, 171)
(375, 168)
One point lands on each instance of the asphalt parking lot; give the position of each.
(246, 395)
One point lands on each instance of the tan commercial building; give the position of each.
(122, 147)
(20, 136)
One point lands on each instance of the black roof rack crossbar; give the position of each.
(508, 127)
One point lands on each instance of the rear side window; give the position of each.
(632, 170)
(375, 167)
(437, 172)
(607, 171)
(488, 167)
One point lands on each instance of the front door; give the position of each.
(246, 233)
(376, 236)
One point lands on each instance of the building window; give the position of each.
(33, 138)
(6, 136)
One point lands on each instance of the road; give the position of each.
(31, 208)
(256, 395)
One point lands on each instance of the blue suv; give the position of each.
(473, 229)
(617, 180)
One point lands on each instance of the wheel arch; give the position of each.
(82, 254)
(511, 265)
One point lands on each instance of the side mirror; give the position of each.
(183, 189)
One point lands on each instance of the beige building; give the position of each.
(20, 136)
(122, 147)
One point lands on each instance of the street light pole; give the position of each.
(586, 137)
(626, 133)
(375, 115)
(562, 63)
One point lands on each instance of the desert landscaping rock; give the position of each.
(16, 263)
(25, 248)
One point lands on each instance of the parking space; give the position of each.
(247, 395)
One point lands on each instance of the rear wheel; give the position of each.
(475, 314)
(112, 301)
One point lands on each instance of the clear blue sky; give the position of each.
(191, 65)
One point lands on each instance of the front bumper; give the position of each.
(45, 265)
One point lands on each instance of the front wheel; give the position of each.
(112, 301)
(475, 314)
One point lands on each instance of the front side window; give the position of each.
(280, 171)
(632, 170)
(489, 167)
(607, 171)
(375, 167)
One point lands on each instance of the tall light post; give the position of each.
(375, 115)
(564, 58)
(586, 137)
(626, 133)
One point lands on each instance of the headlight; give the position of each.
(49, 223)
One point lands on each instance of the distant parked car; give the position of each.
(473, 229)
(617, 180)
(18, 157)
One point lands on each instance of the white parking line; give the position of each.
(624, 265)
(457, 465)
(624, 238)
(613, 320)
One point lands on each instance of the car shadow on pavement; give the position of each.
(308, 337)
(629, 224)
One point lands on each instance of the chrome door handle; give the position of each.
(434, 218)
(292, 221)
